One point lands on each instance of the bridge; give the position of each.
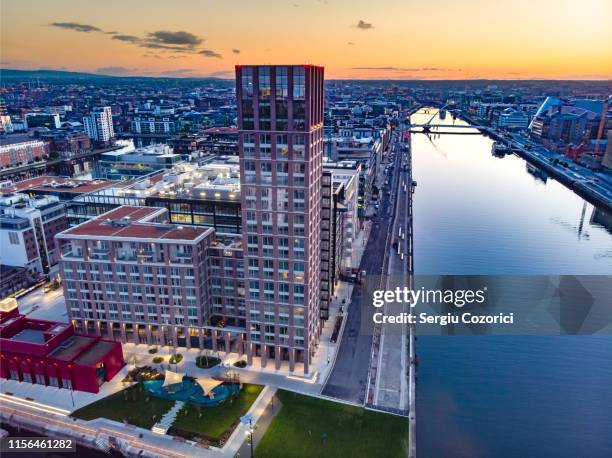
(444, 129)
(450, 126)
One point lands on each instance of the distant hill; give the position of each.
(11, 75)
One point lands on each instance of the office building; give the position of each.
(511, 118)
(48, 120)
(132, 276)
(125, 165)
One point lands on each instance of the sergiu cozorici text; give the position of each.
(458, 298)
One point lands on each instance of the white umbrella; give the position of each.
(208, 384)
(173, 378)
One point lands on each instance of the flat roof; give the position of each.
(13, 139)
(137, 226)
(96, 352)
(36, 336)
(71, 348)
(51, 184)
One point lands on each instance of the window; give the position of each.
(281, 82)
(247, 82)
(264, 82)
(299, 85)
(14, 238)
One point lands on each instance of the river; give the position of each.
(506, 396)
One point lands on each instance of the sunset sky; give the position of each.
(396, 39)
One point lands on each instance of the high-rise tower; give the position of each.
(280, 122)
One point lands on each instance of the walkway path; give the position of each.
(164, 424)
(272, 409)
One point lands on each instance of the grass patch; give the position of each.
(175, 359)
(206, 362)
(131, 405)
(216, 423)
(307, 426)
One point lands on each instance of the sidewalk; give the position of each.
(260, 429)
(61, 398)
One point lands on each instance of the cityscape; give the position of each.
(205, 237)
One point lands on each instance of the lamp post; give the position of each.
(251, 431)
(248, 420)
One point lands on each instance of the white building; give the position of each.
(511, 118)
(27, 231)
(99, 124)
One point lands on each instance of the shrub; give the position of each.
(152, 350)
(240, 363)
(158, 359)
(174, 359)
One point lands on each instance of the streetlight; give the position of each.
(248, 420)
(251, 431)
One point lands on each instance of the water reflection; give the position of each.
(476, 213)
(480, 213)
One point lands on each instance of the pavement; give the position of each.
(45, 306)
(271, 409)
(60, 398)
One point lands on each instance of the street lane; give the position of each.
(349, 376)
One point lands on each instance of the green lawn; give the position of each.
(136, 412)
(307, 426)
(216, 422)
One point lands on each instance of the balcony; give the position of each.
(126, 256)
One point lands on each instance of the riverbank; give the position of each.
(574, 181)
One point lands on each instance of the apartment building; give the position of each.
(20, 149)
(28, 226)
(99, 124)
(280, 125)
(333, 211)
(132, 276)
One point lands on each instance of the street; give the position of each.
(349, 376)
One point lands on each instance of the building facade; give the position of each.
(124, 165)
(131, 276)
(280, 123)
(19, 150)
(27, 230)
(99, 124)
(51, 354)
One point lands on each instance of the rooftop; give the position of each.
(13, 139)
(135, 223)
(51, 183)
(71, 348)
(94, 353)
(36, 336)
